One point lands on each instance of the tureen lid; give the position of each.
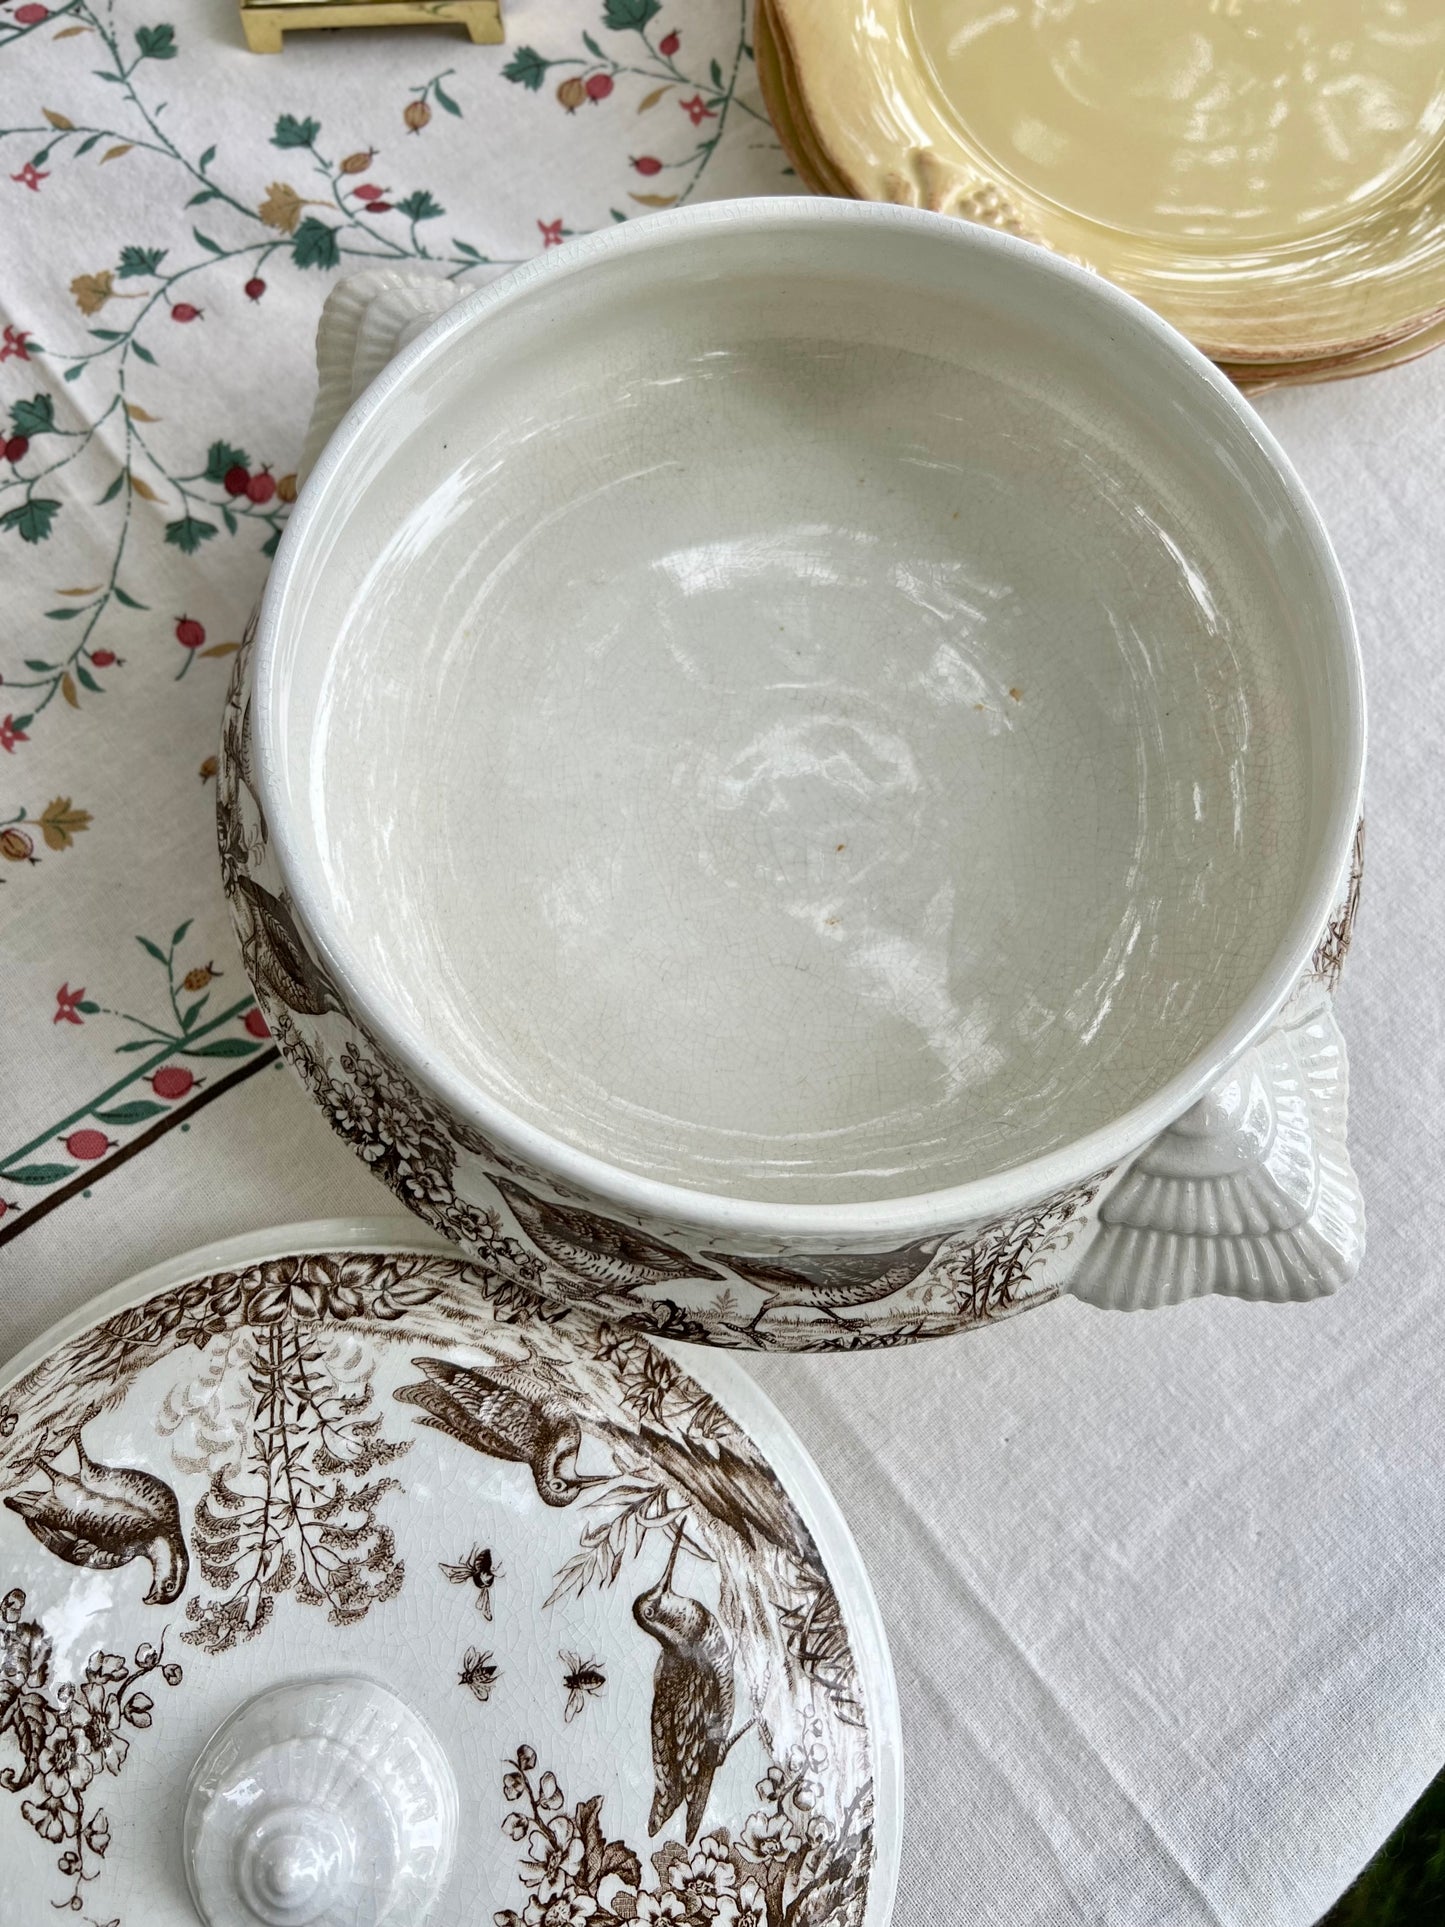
(348, 1585)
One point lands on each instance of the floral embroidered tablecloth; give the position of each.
(175, 210)
(1163, 1591)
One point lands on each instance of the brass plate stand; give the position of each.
(264, 21)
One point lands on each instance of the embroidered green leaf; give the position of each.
(34, 417)
(221, 456)
(225, 1047)
(136, 1043)
(527, 68)
(40, 668)
(153, 949)
(135, 261)
(206, 194)
(86, 145)
(592, 47)
(142, 353)
(87, 681)
(206, 159)
(87, 1006)
(63, 615)
(156, 43)
(420, 206)
(206, 241)
(717, 79)
(466, 248)
(188, 533)
(291, 132)
(31, 520)
(229, 520)
(623, 16)
(314, 245)
(115, 487)
(272, 542)
(128, 601)
(445, 100)
(38, 1174)
(179, 934)
(135, 1113)
(188, 1017)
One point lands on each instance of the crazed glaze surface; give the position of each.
(1270, 174)
(613, 1601)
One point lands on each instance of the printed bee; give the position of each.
(478, 1568)
(478, 1674)
(583, 1679)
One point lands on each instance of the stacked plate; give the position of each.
(1269, 177)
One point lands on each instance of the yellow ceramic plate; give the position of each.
(1268, 174)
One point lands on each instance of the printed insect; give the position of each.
(584, 1679)
(478, 1674)
(478, 1568)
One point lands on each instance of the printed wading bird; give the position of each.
(692, 1699)
(597, 1250)
(517, 1417)
(832, 1285)
(276, 956)
(741, 1493)
(104, 1516)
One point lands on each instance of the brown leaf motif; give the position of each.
(281, 208)
(57, 120)
(61, 823)
(92, 291)
(114, 153)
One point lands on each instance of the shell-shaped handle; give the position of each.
(1250, 1194)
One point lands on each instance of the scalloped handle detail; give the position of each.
(1250, 1194)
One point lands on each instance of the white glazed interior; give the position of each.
(813, 706)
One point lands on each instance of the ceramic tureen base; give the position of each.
(348, 1585)
(1251, 1193)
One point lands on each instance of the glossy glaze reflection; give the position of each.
(802, 768)
(1267, 174)
(1247, 121)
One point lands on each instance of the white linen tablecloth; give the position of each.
(1165, 1592)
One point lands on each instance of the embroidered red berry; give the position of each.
(17, 448)
(669, 44)
(377, 207)
(648, 164)
(32, 13)
(87, 1145)
(183, 311)
(262, 486)
(236, 479)
(255, 287)
(172, 1080)
(368, 191)
(102, 658)
(189, 633)
(256, 1024)
(599, 86)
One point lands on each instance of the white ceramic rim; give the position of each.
(706, 1214)
(716, 1371)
